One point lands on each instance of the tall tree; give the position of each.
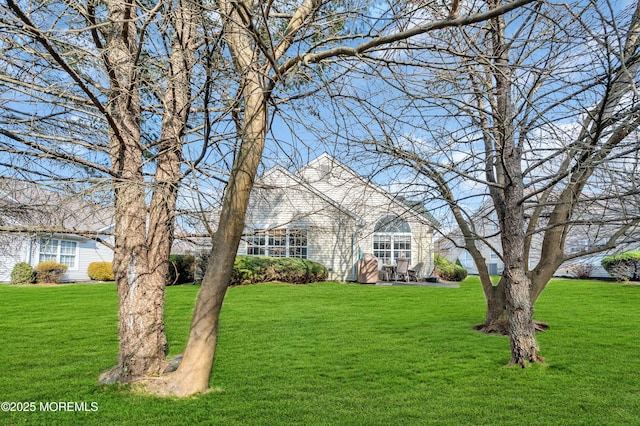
(85, 85)
(535, 110)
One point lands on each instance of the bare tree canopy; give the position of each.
(532, 116)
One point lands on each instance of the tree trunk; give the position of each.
(517, 285)
(508, 199)
(140, 292)
(144, 237)
(193, 374)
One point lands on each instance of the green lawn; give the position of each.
(334, 354)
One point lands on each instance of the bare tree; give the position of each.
(101, 92)
(536, 111)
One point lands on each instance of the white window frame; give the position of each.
(279, 242)
(58, 255)
(389, 246)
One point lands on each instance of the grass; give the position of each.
(334, 354)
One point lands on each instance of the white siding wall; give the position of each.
(286, 203)
(26, 248)
(369, 203)
(14, 248)
(89, 251)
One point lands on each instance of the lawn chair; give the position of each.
(414, 274)
(383, 273)
(402, 269)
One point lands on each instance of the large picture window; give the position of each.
(60, 251)
(282, 242)
(392, 239)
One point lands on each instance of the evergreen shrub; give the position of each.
(449, 271)
(257, 269)
(22, 273)
(50, 272)
(101, 271)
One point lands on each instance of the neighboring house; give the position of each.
(328, 213)
(593, 228)
(485, 225)
(33, 222)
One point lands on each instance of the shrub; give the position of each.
(181, 269)
(50, 272)
(447, 270)
(255, 269)
(581, 270)
(22, 273)
(200, 267)
(101, 271)
(258, 269)
(623, 266)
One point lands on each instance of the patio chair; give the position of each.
(383, 273)
(402, 268)
(415, 272)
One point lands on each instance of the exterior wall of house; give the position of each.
(87, 251)
(14, 248)
(282, 202)
(370, 204)
(421, 242)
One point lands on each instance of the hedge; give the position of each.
(623, 266)
(447, 270)
(256, 269)
(100, 271)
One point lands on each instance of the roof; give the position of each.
(414, 206)
(28, 205)
(310, 188)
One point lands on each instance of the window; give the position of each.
(60, 251)
(392, 239)
(278, 243)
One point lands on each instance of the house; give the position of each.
(43, 225)
(324, 212)
(596, 221)
(328, 213)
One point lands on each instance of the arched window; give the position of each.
(392, 239)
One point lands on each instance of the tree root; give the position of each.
(501, 327)
(113, 376)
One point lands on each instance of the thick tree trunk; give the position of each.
(144, 237)
(517, 285)
(508, 199)
(524, 347)
(140, 292)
